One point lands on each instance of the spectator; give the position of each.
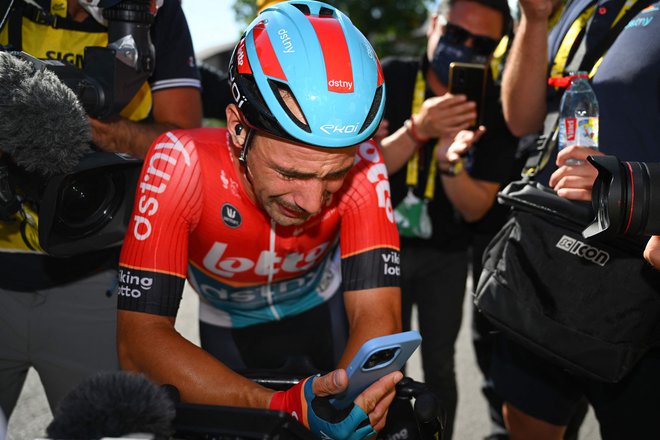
(458, 198)
(58, 315)
(540, 397)
(253, 215)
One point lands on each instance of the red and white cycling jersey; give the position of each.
(192, 218)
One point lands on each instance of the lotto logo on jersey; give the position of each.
(217, 262)
(377, 174)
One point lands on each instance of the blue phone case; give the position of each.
(361, 374)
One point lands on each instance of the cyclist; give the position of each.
(253, 215)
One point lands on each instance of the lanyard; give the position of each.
(572, 35)
(412, 168)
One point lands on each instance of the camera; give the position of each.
(625, 197)
(380, 357)
(87, 209)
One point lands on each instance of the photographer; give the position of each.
(58, 315)
(540, 397)
(445, 202)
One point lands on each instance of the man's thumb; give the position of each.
(332, 383)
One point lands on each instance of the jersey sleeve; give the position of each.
(168, 201)
(175, 56)
(369, 239)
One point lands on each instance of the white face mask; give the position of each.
(92, 7)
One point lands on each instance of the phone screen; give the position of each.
(469, 80)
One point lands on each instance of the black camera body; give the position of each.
(625, 197)
(88, 209)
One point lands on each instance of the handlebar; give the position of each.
(194, 421)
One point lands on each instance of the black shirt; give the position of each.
(492, 158)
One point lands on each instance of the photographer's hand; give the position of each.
(652, 251)
(471, 197)
(538, 9)
(172, 109)
(452, 150)
(574, 181)
(444, 115)
(438, 117)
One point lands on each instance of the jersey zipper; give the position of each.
(271, 270)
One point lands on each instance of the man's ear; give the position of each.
(235, 125)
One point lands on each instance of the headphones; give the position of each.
(238, 129)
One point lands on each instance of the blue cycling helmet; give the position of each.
(311, 52)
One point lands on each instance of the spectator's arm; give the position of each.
(471, 197)
(525, 75)
(172, 109)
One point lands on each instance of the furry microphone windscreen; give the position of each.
(43, 127)
(113, 404)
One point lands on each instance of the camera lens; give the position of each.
(379, 358)
(87, 202)
(626, 197)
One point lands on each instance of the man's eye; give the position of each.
(286, 177)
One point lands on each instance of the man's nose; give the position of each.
(311, 195)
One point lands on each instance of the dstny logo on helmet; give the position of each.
(581, 249)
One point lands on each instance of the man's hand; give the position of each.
(575, 181)
(444, 115)
(537, 10)
(652, 251)
(452, 150)
(308, 402)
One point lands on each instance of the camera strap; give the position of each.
(582, 60)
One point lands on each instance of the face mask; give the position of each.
(445, 53)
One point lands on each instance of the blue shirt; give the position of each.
(627, 83)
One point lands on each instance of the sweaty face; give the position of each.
(292, 182)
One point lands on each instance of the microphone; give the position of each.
(113, 404)
(43, 127)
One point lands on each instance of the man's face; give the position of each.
(473, 17)
(292, 182)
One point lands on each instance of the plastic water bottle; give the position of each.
(578, 115)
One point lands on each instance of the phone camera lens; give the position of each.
(380, 357)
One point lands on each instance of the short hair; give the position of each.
(501, 6)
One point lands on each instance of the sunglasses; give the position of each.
(481, 45)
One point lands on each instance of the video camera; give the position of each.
(86, 208)
(625, 197)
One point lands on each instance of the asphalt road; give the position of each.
(32, 414)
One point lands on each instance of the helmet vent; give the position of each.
(373, 111)
(326, 12)
(288, 102)
(303, 8)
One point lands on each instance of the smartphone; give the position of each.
(469, 80)
(376, 358)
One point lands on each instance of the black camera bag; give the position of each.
(591, 306)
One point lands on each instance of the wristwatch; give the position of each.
(454, 169)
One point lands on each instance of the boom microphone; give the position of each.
(43, 127)
(113, 404)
